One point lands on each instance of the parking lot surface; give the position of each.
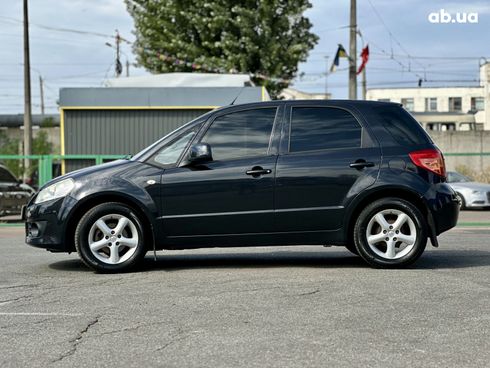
(248, 307)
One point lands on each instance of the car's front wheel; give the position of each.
(110, 238)
(390, 232)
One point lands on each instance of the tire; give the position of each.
(110, 238)
(352, 248)
(397, 241)
(463, 203)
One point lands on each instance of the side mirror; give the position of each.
(199, 153)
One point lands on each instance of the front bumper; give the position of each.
(45, 223)
(477, 200)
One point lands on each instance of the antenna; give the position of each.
(238, 95)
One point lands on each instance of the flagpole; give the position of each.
(364, 87)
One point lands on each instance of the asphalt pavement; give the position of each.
(248, 307)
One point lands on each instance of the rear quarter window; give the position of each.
(404, 129)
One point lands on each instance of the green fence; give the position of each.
(45, 162)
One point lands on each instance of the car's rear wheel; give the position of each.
(110, 238)
(390, 232)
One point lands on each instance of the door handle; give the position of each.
(361, 164)
(258, 171)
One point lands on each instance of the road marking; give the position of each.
(41, 314)
(468, 224)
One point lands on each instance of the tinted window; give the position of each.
(5, 176)
(240, 134)
(401, 125)
(316, 128)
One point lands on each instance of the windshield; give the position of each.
(455, 177)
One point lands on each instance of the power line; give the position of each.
(58, 29)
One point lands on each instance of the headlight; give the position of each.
(477, 192)
(56, 190)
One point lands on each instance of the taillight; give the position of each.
(429, 159)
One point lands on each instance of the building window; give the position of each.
(454, 104)
(431, 104)
(383, 99)
(477, 104)
(407, 103)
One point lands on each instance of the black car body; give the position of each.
(14, 194)
(274, 173)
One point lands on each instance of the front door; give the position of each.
(233, 193)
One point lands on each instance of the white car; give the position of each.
(471, 193)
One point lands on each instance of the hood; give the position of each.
(108, 169)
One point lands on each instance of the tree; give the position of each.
(266, 38)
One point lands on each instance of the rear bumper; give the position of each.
(443, 203)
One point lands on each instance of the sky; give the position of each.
(404, 46)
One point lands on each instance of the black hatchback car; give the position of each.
(358, 174)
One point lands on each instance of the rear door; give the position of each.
(326, 157)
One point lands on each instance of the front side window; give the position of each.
(318, 128)
(170, 153)
(240, 134)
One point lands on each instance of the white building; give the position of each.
(444, 108)
(294, 94)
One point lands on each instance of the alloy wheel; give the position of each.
(113, 239)
(391, 234)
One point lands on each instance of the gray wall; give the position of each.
(464, 142)
(118, 132)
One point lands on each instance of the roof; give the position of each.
(174, 97)
(183, 80)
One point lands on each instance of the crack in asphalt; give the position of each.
(6, 301)
(173, 340)
(309, 293)
(18, 286)
(77, 340)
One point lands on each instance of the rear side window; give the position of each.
(402, 126)
(318, 128)
(241, 134)
(5, 176)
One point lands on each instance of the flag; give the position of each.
(340, 53)
(365, 58)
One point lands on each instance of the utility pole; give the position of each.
(353, 51)
(27, 95)
(326, 78)
(127, 68)
(41, 93)
(118, 65)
